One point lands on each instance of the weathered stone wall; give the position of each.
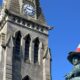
(35, 71)
(12, 22)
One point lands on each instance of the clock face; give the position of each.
(29, 10)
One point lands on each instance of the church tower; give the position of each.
(74, 58)
(24, 52)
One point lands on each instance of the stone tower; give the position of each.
(74, 58)
(24, 52)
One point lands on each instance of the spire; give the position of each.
(15, 6)
(78, 48)
(12, 5)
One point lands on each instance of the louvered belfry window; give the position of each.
(36, 48)
(27, 46)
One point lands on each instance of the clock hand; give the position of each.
(28, 8)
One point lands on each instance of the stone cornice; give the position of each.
(30, 20)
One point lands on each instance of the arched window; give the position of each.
(17, 45)
(27, 45)
(26, 78)
(36, 48)
(16, 68)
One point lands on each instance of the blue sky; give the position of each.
(64, 15)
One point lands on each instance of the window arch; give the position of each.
(27, 46)
(17, 44)
(36, 49)
(26, 78)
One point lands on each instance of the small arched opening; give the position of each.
(26, 78)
